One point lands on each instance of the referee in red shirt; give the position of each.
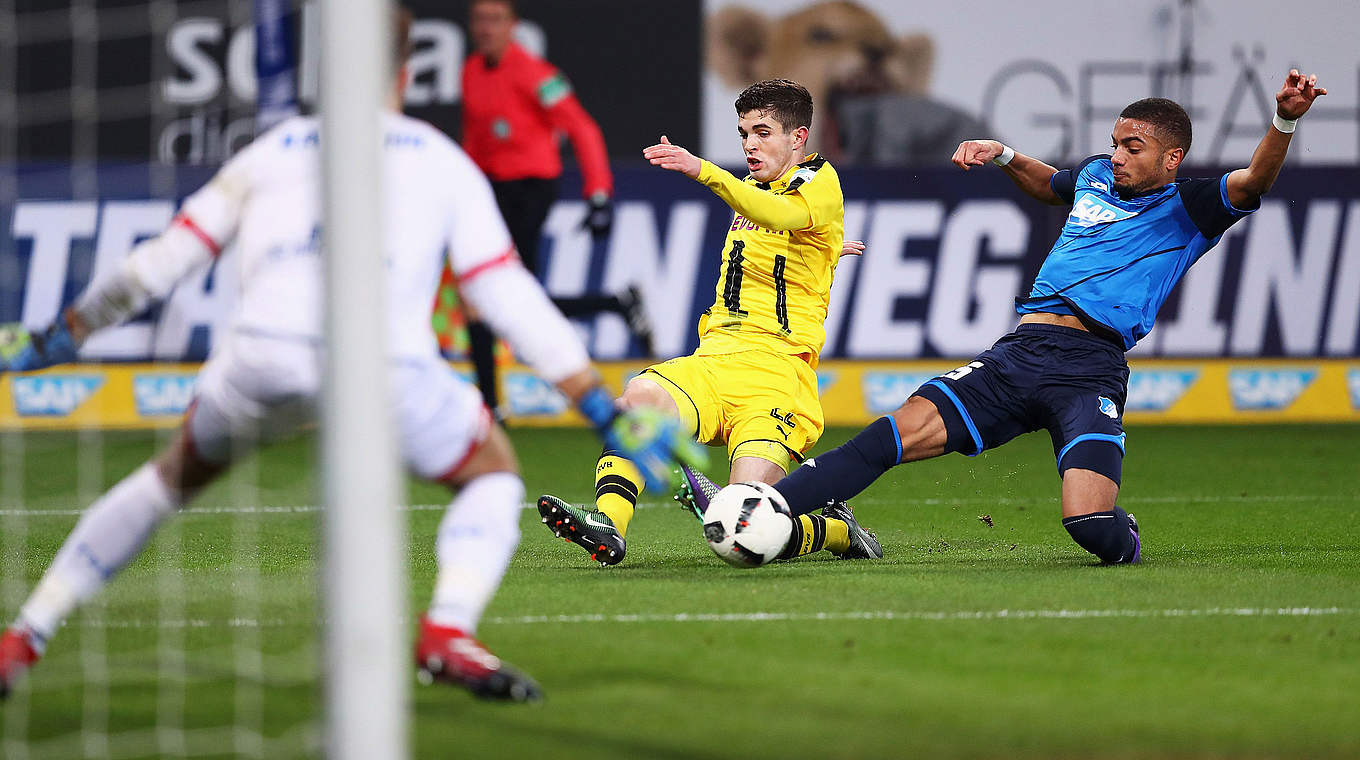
(514, 107)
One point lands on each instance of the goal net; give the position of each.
(208, 643)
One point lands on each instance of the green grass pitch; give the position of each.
(984, 633)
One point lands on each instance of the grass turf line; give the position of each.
(1228, 523)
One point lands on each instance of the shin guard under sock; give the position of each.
(617, 486)
(840, 474)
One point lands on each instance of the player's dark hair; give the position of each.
(401, 35)
(514, 10)
(789, 102)
(1166, 116)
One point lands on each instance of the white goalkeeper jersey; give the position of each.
(267, 202)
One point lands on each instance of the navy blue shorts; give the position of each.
(1061, 379)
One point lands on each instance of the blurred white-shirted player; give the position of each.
(264, 377)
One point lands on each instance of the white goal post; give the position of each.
(366, 668)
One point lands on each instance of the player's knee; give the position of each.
(1102, 457)
(1109, 535)
(920, 428)
(494, 454)
(499, 453)
(183, 469)
(763, 461)
(642, 392)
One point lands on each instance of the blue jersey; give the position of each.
(1118, 258)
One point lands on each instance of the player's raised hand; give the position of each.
(852, 247)
(655, 443)
(972, 153)
(652, 440)
(22, 351)
(1297, 96)
(673, 157)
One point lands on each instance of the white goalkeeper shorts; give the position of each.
(258, 388)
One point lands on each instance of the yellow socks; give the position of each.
(617, 485)
(812, 533)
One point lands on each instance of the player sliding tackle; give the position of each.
(264, 377)
(1133, 231)
(752, 384)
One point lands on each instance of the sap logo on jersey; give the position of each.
(885, 391)
(163, 395)
(1353, 382)
(1090, 210)
(530, 395)
(52, 395)
(1268, 388)
(1157, 391)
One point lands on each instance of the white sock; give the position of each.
(477, 538)
(111, 532)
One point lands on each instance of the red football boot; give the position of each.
(17, 655)
(449, 655)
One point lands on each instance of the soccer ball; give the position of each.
(747, 524)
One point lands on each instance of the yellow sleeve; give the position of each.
(775, 212)
(822, 192)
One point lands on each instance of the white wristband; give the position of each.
(1286, 126)
(1007, 154)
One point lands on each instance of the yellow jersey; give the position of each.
(774, 283)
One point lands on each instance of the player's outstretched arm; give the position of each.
(775, 212)
(149, 272)
(1029, 174)
(1246, 186)
(206, 222)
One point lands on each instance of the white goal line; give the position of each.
(777, 617)
(983, 501)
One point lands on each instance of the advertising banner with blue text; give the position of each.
(947, 253)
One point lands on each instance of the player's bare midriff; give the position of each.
(1045, 318)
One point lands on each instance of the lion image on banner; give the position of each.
(869, 86)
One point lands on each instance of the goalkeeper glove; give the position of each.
(600, 218)
(22, 351)
(650, 439)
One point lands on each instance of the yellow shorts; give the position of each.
(762, 401)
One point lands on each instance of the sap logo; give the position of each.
(1353, 382)
(1108, 408)
(163, 395)
(1157, 391)
(1089, 211)
(1268, 388)
(52, 395)
(885, 391)
(530, 395)
(824, 381)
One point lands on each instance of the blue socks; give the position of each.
(1112, 536)
(843, 472)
